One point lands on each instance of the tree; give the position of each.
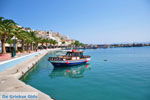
(32, 35)
(37, 41)
(77, 44)
(6, 31)
(30, 40)
(63, 42)
(22, 36)
(54, 42)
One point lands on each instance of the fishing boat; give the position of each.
(73, 57)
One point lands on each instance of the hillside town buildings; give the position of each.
(61, 39)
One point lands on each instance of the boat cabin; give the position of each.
(74, 54)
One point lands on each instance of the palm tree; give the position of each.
(1, 19)
(29, 40)
(77, 44)
(37, 40)
(47, 41)
(32, 36)
(42, 42)
(22, 36)
(6, 28)
(53, 42)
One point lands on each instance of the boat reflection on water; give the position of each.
(71, 72)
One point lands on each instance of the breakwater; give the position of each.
(9, 78)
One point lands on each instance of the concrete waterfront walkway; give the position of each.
(7, 56)
(18, 59)
(9, 78)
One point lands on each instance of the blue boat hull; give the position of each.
(67, 64)
(62, 63)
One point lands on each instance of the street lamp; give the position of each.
(13, 52)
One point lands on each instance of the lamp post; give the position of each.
(13, 52)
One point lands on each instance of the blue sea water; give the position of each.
(112, 74)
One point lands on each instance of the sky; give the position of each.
(89, 21)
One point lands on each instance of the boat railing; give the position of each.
(61, 58)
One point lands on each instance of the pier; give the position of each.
(9, 78)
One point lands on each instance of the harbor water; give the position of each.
(112, 74)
